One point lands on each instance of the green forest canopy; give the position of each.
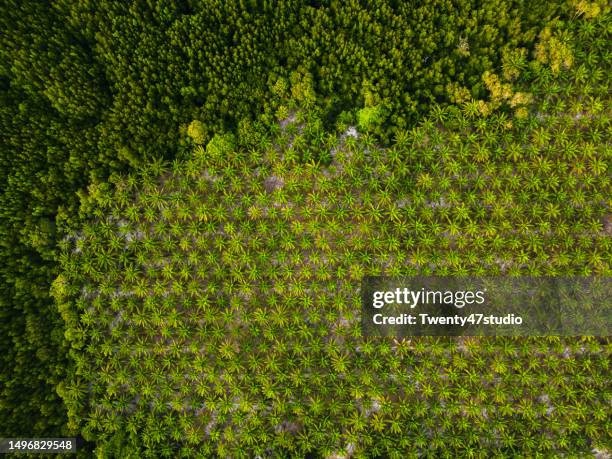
(497, 110)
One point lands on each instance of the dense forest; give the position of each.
(191, 192)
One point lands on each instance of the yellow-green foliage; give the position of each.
(197, 131)
(590, 9)
(553, 50)
(369, 117)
